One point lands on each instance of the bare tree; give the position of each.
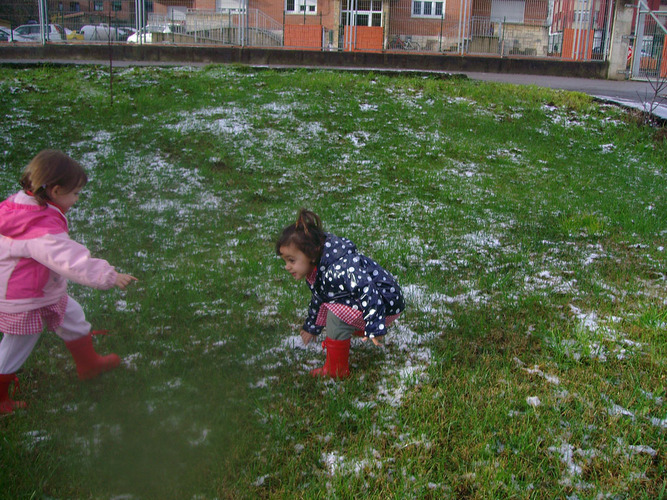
(656, 96)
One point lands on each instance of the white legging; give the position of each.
(15, 349)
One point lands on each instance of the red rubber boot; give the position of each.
(337, 362)
(89, 364)
(7, 404)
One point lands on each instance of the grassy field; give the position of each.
(526, 226)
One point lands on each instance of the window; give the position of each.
(116, 6)
(32, 29)
(148, 6)
(581, 16)
(427, 8)
(361, 13)
(98, 6)
(511, 11)
(301, 6)
(74, 7)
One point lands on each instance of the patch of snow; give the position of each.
(533, 401)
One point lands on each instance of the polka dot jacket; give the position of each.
(351, 279)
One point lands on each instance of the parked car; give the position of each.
(99, 32)
(6, 35)
(124, 32)
(31, 32)
(145, 34)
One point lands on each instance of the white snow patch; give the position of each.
(533, 401)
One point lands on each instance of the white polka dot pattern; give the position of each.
(335, 287)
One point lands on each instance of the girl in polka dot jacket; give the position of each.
(37, 257)
(351, 293)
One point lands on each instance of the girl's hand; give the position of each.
(378, 341)
(122, 280)
(306, 337)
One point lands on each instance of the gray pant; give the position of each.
(337, 329)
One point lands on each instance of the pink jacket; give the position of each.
(37, 257)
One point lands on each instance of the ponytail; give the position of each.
(306, 234)
(308, 222)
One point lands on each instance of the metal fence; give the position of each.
(648, 55)
(564, 29)
(23, 22)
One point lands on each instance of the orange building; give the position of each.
(419, 25)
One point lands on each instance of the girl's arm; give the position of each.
(313, 309)
(73, 261)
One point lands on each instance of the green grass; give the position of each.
(527, 227)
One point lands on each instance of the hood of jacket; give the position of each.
(335, 248)
(21, 218)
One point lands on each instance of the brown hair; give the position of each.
(306, 234)
(52, 168)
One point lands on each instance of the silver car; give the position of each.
(145, 34)
(6, 35)
(31, 33)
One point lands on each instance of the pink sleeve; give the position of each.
(72, 261)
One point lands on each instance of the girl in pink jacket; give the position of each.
(37, 257)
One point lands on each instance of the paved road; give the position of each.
(630, 93)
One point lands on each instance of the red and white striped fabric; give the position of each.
(32, 322)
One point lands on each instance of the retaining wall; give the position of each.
(157, 53)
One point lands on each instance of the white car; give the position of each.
(31, 33)
(124, 32)
(99, 32)
(6, 35)
(145, 34)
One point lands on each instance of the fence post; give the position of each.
(43, 21)
(110, 64)
(607, 31)
(246, 23)
(591, 30)
(352, 27)
(502, 37)
(139, 21)
(460, 41)
(639, 40)
(464, 26)
(442, 20)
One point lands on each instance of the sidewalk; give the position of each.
(628, 93)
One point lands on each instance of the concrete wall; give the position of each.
(162, 53)
(618, 55)
(303, 36)
(525, 39)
